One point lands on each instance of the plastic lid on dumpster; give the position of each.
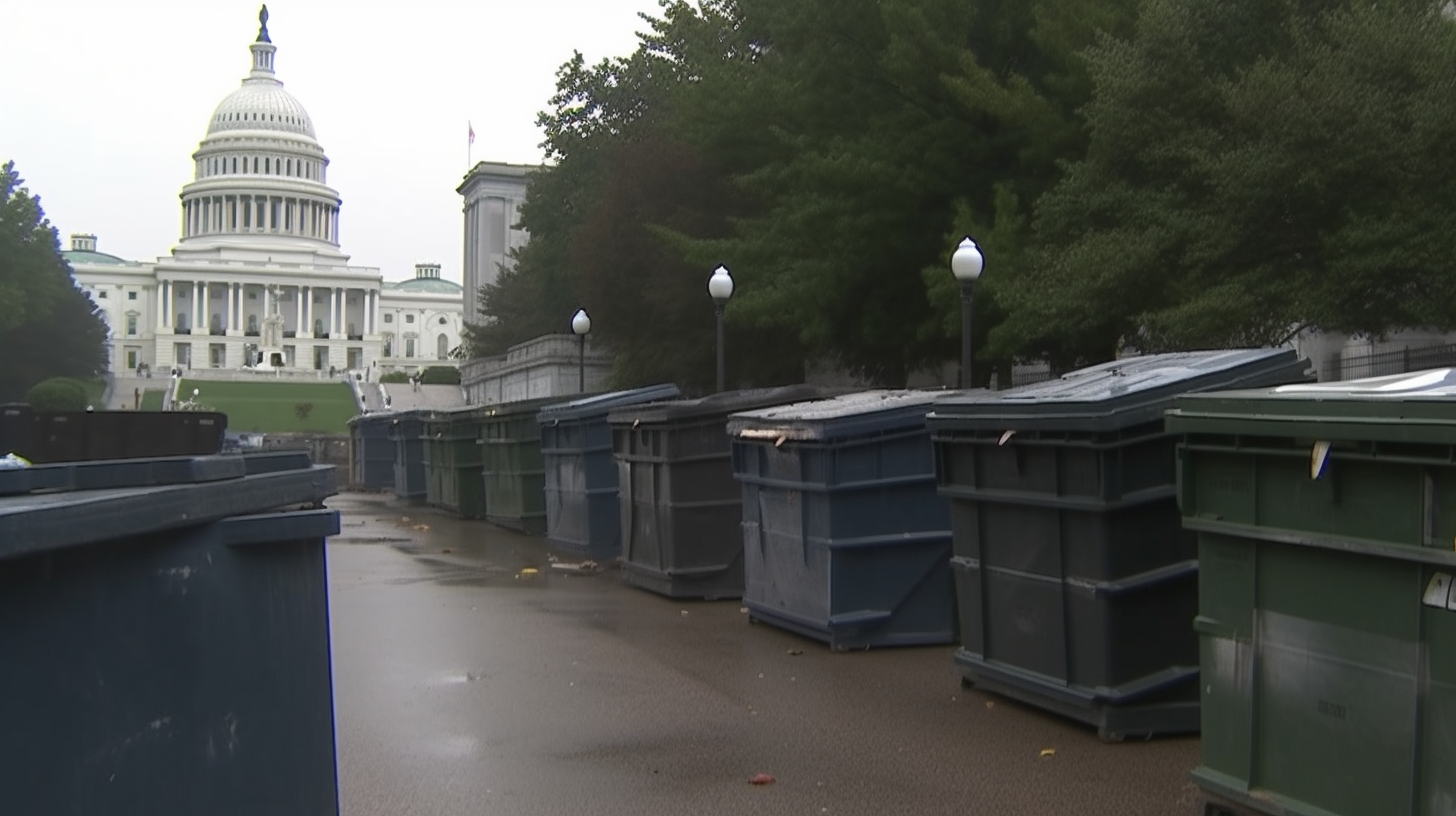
(512, 409)
(602, 404)
(1120, 393)
(841, 417)
(721, 404)
(1413, 407)
(80, 503)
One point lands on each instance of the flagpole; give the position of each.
(469, 145)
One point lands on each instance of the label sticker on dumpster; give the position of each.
(1438, 592)
(1318, 458)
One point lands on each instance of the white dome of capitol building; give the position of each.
(260, 170)
(257, 282)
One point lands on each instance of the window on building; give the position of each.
(388, 318)
(131, 295)
(101, 293)
(409, 318)
(442, 320)
(442, 347)
(131, 325)
(409, 347)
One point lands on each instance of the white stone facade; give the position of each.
(258, 275)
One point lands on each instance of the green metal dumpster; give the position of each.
(406, 431)
(164, 638)
(1326, 525)
(371, 452)
(681, 508)
(582, 510)
(1076, 584)
(514, 472)
(845, 538)
(450, 441)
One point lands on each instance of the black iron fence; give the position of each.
(1388, 362)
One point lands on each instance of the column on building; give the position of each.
(205, 307)
(298, 310)
(308, 309)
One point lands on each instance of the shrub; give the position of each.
(394, 377)
(302, 410)
(440, 375)
(57, 394)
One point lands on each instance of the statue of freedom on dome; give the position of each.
(263, 24)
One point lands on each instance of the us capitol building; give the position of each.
(258, 279)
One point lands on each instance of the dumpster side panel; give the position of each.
(1336, 680)
(1225, 625)
(174, 673)
(683, 521)
(1437, 783)
(848, 541)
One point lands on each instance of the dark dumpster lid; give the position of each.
(602, 404)
(1412, 407)
(848, 415)
(1120, 393)
(77, 503)
(511, 410)
(381, 417)
(721, 404)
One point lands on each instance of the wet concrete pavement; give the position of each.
(465, 687)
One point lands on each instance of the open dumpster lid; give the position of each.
(723, 404)
(602, 404)
(848, 415)
(48, 507)
(1416, 407)
(1120, 393)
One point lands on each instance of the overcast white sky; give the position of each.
(105, 101)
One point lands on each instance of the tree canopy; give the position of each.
(1154, 174)
(1254, 168)
(48, 326)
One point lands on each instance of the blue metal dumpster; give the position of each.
(845, 538)
(164, 638)
(406, 431)
(582, 510)
(371, 452)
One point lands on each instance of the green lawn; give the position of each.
(272, 407)
(152, 399)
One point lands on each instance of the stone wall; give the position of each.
(544, 367)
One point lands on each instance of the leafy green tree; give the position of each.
(440, 375)
(57, 394)
(1254, 168)
(42, 312)
(871, 135)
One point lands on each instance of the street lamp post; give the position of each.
(966, 264)
(720, 288)
(581, 327)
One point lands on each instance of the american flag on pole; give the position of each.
(472, 132)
